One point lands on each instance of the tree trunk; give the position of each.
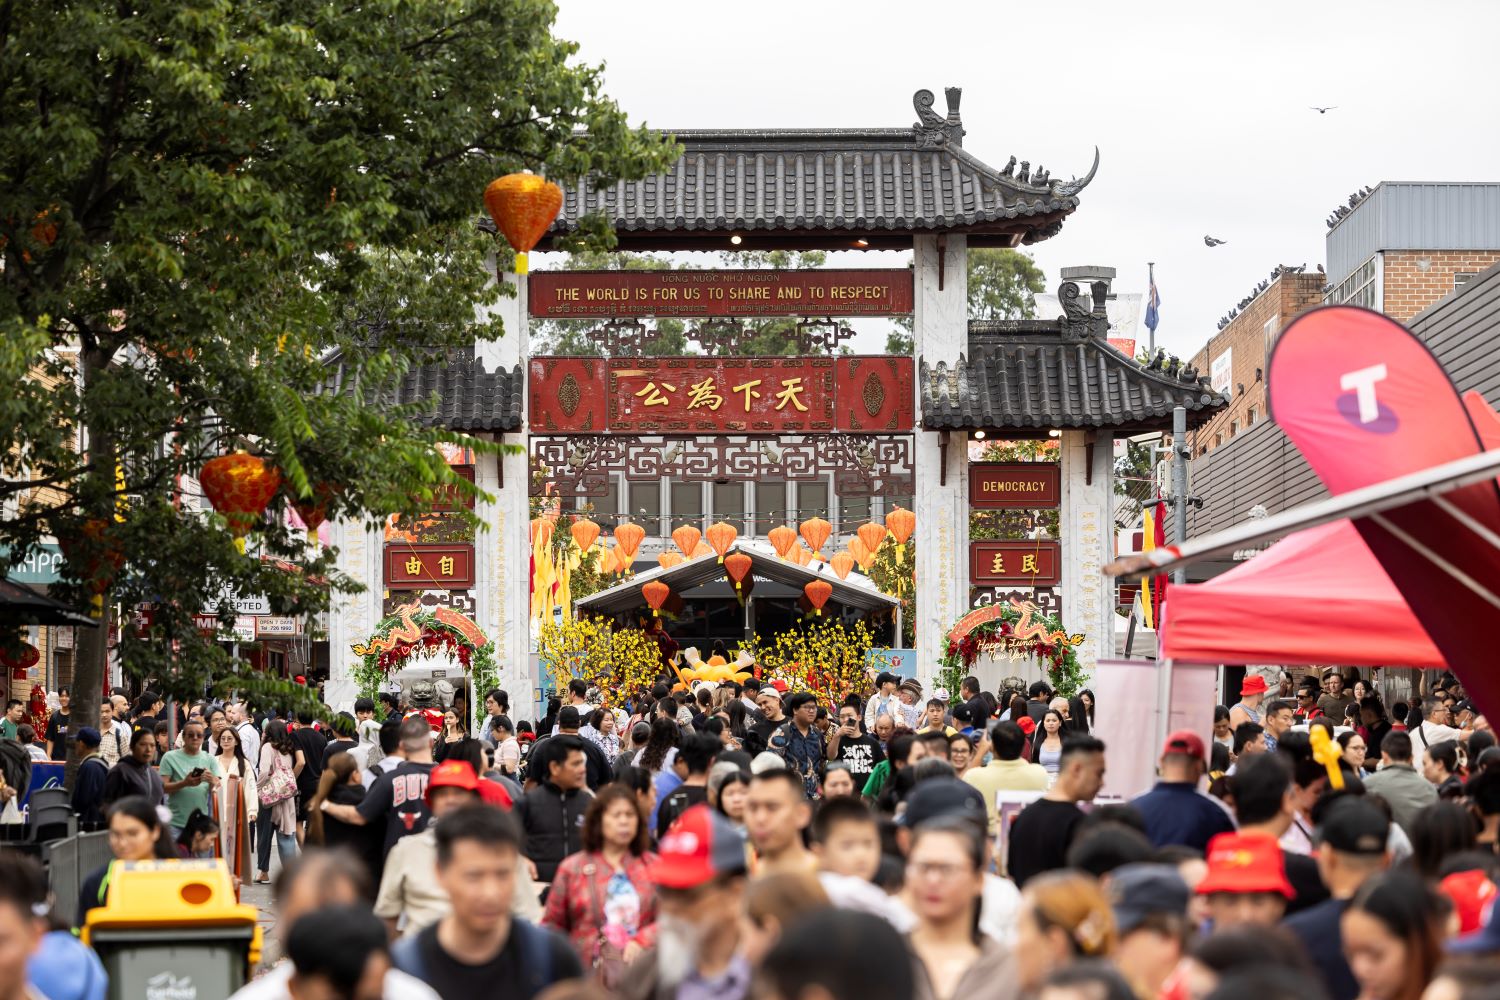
(92, 653)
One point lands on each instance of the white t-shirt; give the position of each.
(273, 986)
(1435, 732)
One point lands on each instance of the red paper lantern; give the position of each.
(818, 592)
(240, 486)
(738, 567)
(656, 594)
(815, 532)
(687, 538)
(721, 536)
(20, 658)
(313, 510)
(523, 205)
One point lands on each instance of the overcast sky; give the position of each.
(1200, 110)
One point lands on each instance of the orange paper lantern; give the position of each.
(738, 567)
(815, 532)
(541, 531)
(721, 536)
(842, 563)
(628, 538)
(687, 538)
(871, 533)
(609, 560)
(656, 594)
(313, 510)
(240, 486)
(861, 552)
(782, 537)
(801, 555)
(701, 549)
(585, 533)
(818, 592)
(901, 523)
(523, 205)
(669, 559)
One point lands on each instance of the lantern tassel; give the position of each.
(522, 263)
(239, 545)
(96, 606)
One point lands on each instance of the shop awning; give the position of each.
(1317, 597)
(20, 605)
(855, 592)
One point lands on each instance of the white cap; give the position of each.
(766, 761)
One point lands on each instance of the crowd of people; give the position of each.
(741, 839)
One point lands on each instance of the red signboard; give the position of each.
(611, 294)
(1015, 485)
(699, 395)
(410, 565)
(448, 497)
(1024, 563)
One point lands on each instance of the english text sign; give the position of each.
(614, 294)
(1015, 485)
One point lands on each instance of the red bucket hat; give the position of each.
(1254, 684)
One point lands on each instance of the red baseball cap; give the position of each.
(1244, 863)
(494, 793)
(1254, 684)
(451, 774)
(1185, 741)
(699, 847)
(1027, 724)
(1472, 892)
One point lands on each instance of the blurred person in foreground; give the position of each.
(310, 882)
(1064, 918)
(479, 948)
(699, 875)
(338, 953)
(1150, 904)
(826, 955)
(1393, 936)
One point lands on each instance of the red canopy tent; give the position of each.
(1317, 596)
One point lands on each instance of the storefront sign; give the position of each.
(698, 395)
(243, 629)
(42, 564)
(276, 625)
(1015, 563)
(612, 294)
(207, 625)
(409, 565)
(240, 605)
(1015, 485)
(1221, 371)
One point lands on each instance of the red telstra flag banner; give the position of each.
(1365, 401)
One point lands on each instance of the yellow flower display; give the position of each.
(618, 661)
(827, 658)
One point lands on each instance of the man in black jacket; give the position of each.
(596, 764)
(552, 812)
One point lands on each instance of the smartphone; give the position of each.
(195, 772)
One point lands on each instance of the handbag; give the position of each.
(609, 961)
(280, 785)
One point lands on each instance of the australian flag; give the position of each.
(1153, 303)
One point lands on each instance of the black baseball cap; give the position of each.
(944, 797)
(1139, 891)
(567, 717)
(1354, 826)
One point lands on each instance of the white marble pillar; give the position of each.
(1087, 529)
(502, 547)
(941, 503)
(352, 617)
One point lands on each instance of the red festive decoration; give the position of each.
(818, 592)
(313, 510)
(656, 594)
(240, 486)
(523, 205)
(738, 567)
(19, 657)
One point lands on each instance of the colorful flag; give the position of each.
(1153, 302)
(1152, 587)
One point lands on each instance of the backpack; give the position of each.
(535, 967)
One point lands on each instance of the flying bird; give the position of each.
(1322, 111)
(1209, 241)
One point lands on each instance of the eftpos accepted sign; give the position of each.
(260, 605)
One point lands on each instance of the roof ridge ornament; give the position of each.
(1067, 189)
(1080, 321)
(931, 128)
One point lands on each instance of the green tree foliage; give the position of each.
(1001, 285)
(203, 201)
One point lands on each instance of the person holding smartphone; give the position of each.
(189, 776)
(857, 749)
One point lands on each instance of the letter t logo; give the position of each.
(1362, 382)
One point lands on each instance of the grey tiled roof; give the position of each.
(468, 397)
(1033, 376)
(883, 182)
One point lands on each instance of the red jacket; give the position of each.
(573, 905)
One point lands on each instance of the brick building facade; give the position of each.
(1235, 358)
(1415, 279)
